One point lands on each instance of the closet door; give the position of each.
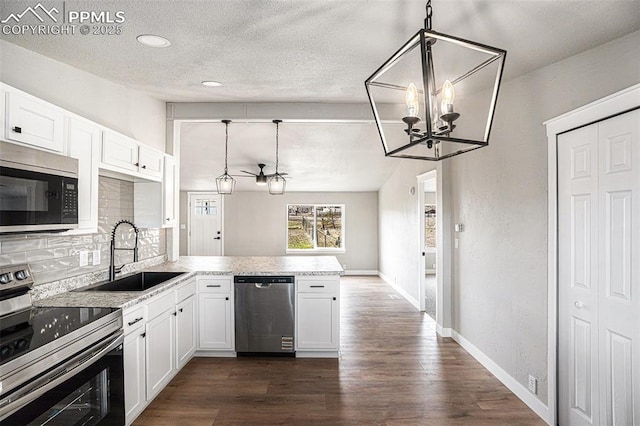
(598, 300)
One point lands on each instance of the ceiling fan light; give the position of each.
(277, 184)
(261, 180)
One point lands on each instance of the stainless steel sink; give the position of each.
(136, 282)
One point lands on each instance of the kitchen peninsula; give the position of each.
(193, 315)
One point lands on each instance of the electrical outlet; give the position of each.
(96, 257)
(84, 257)
(533, 384)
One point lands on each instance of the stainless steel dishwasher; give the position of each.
(264, 314)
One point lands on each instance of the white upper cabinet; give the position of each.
(119, 151)
(83, 144)
(125, 155)
(34, 122)
(169, 190)
(150, 161)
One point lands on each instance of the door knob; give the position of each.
(578, 304)
(216, 238)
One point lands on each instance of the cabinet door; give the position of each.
(134, 374)
(169, 190)
(185, 331)
(317, 317)
(150, 161)
(34, 122)
(214, 312)
(83, 144)
(160, 352)
(119, 151)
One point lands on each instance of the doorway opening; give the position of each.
(428, 270)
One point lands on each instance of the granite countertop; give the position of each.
(202, 265)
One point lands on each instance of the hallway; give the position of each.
(393, 370)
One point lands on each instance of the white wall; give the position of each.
(255, 224)
(113, 105)
(500, 193)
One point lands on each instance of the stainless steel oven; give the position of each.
(38, 190)
(58, 365)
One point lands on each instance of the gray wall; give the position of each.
(111, 104)
(255, 224)
(500, 194)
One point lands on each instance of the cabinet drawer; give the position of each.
(214, 285)
(160, 304)
(317, 286)
(134, 318)
(185, 290)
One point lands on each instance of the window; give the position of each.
(315, 227)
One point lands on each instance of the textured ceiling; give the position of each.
(312, 51)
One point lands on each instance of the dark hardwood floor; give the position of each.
(393, 370)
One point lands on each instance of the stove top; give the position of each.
(25, 331)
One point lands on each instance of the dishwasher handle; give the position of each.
(262, 285)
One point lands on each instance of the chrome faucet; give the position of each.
(112, 268)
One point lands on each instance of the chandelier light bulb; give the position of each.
(411, 98)
(448, 96)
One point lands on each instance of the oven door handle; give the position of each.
(53, 378)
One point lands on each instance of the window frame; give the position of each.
(315, 248)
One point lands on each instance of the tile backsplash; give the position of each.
(53, 256)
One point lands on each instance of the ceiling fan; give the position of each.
(261, 178)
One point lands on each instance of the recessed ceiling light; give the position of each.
(153, 40)
(210, 83)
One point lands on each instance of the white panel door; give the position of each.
(160, 352)
(214, 325)
(619, 273)
(185, 331)
(599, 312)
(205, 224)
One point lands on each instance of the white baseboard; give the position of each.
(514, 386)
(403, 293)
(361, 272)
(443, 332)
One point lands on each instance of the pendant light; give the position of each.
(277, 182)
(225, 183)
(424, 77)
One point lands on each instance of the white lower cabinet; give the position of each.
(215, 314)
(317, 316)
(185, 330)
(160, 352)
(135, 361)
(134, 374)
(160, 338)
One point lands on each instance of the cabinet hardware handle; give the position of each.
(216, 238)
(317, 286)
(168, 219)
(334, 298)
(137, 164)
(17, 129)
(180, 310)
(143, 335)
(175, 314)
(135, 321)
(213, 285)
(226, 298)
(144, 167)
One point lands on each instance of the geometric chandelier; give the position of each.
(436, 96)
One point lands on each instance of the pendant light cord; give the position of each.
(427, 20)
(226, 144)
(277, 145)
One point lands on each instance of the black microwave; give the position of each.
(38, 190)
